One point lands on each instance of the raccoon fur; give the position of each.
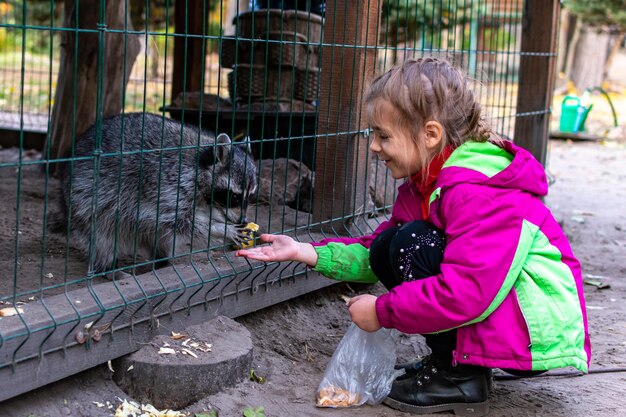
(157, 184)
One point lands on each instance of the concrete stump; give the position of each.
(175, 378)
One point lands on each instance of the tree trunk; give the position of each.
(75, 101)
(573, 35)
(590, 56)
(565, 29)
(617, 41)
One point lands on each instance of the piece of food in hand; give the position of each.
(251, 231)
(332, 396)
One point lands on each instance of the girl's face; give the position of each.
(392, 144)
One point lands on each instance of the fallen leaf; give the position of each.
(130, 368)
(177, 336)
(212, 413)
(99, 405)
(80, 337)
(188, 352)
(96, 335)
(167, 351)
(254, 412)
(130, 408)
(11, 311)
(256, 378)
(598, 284)
(110, 365)
(205, 347)
(345, 298)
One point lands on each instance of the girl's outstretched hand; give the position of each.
(280, 248)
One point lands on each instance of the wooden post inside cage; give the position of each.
(189, 59)
(540, 28)
(348, 61)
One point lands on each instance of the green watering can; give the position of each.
(574, 111)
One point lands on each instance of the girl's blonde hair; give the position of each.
(425, 89)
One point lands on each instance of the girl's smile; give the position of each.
(393, 145)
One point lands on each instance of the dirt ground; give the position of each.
(293, 341)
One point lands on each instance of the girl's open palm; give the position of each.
(281, 248)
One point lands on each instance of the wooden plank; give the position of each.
(189, 58)
(540, 28)
(40, 346)
(341, 154)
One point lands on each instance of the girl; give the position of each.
(471, 256)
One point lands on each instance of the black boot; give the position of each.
(411, 369)
(462, 389)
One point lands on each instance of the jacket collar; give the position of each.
(427, 185)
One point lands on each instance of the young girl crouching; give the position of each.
(472, 258)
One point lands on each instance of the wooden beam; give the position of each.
(189, 51)
(348, 63)
(540, 28)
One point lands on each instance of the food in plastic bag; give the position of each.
(332, 396)
(360, 371)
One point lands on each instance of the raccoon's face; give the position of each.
(233, 173)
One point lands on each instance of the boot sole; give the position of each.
(459, 409)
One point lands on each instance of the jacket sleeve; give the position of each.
(347, 259)
(345, 262)
(483, 257)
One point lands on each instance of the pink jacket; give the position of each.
(509, 282)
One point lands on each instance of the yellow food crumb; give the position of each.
(252, 226)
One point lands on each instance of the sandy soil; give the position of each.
(293, 341)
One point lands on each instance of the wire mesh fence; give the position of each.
(164, 127)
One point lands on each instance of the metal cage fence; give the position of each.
(110, 113)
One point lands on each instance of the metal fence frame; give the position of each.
(63, 334)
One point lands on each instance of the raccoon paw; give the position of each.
(246, 233)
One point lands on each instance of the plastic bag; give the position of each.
(360, 371)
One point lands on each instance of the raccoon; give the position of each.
(157, 184)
